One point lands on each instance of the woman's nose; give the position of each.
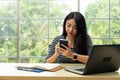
(71, 29)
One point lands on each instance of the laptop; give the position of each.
(103, 58)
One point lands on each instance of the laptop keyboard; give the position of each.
(80, 69)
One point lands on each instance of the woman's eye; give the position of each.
(75, 28)
(68, 25)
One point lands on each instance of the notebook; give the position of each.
(103, 58)
(40, 67)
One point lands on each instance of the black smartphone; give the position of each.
(64, 42)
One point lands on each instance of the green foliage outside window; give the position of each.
(39, 23)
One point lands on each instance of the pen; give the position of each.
(30, 69)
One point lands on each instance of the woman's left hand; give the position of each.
(66, 52)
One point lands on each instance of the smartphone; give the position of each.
(64, 42)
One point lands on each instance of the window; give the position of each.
(27, 27)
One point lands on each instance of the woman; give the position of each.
(79, 43)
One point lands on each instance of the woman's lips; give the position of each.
(70, 33)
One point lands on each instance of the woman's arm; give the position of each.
(54, 56)
(68, 53)
(52, 59)
(53, 53)
(81, 58)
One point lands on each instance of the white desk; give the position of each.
(8, 71)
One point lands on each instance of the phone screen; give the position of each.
(64, 42)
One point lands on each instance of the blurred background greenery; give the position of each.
(27, 27)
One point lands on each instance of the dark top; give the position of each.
(62, 58)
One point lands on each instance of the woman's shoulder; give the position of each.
(88, 37)
(59, 37)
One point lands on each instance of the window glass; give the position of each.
(100, 41)
(8, 9)
(8, 50)
(27, 27)
(98, 28)
(8, 28)
(115, 8)
(55, 28)
(115, 28)
(95, 8)
(58, 9)
(34, 9)
(114, 41)
(34, 28)
(33, 48)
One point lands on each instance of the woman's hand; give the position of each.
(66, 52)
(56, 49)
(55, 56)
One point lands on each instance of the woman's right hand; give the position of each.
(55, 56)
(56, 49)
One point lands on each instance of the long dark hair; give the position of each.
(81, 37)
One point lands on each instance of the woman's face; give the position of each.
(70, 28)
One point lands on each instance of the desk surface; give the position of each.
(8, 71)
